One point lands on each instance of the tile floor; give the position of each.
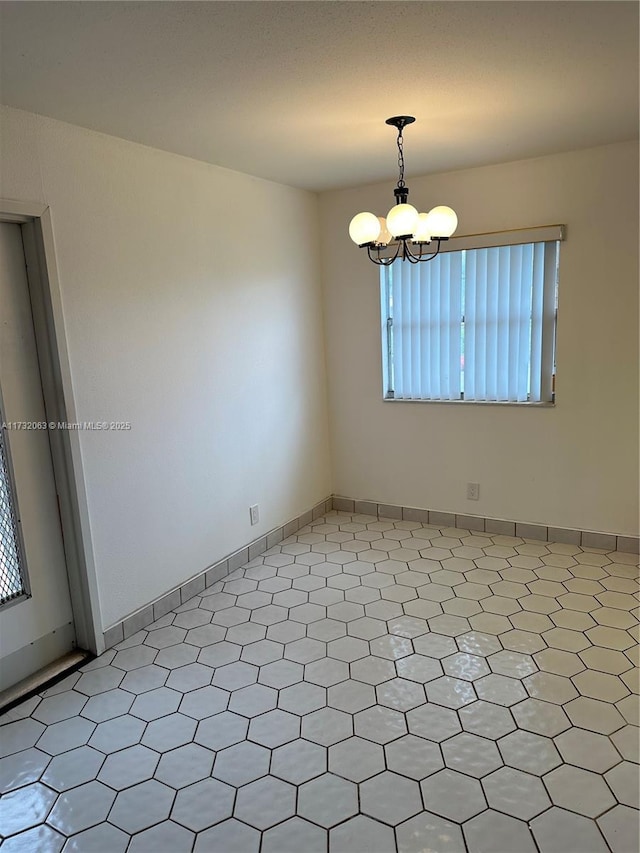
(367, 685)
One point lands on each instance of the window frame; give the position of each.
(538, 234)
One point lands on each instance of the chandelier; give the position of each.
(405, 233)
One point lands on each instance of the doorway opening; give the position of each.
(49, 615)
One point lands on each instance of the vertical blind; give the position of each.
(476, 324)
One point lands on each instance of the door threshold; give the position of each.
(42, 679)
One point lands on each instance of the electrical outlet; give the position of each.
(254, 514)
(473, 491)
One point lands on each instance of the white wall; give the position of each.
(575, 465)
(192, 308)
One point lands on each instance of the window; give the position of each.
(477, 323)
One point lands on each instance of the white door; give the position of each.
(36, 621)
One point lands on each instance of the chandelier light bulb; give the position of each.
(442, 220)
(422, 233)
(402, 220)
(364, 228)
(385, 236)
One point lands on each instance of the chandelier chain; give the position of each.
(400, 143)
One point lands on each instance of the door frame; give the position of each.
(35, 223)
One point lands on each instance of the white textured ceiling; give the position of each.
(297, 92)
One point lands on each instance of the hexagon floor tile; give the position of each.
(366, 684)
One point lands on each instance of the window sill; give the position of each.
(543, 405)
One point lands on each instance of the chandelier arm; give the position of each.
(382, 262)
(437, 251)
(418, 259)
(409, 256)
